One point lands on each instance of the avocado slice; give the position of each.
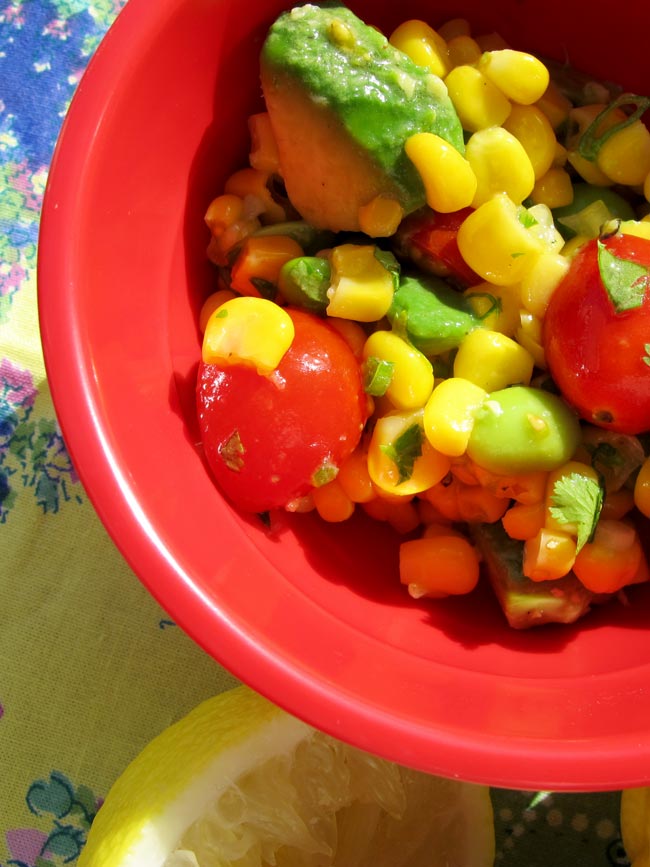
(527, 603)
(342, 102)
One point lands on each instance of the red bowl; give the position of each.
(311, 615)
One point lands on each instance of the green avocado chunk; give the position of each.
(434, 317)
(342, 102)
(527, 603)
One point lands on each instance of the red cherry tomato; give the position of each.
(270, 439)
(596, 349)
(430, 239)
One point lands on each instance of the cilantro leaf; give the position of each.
(625, 281)
(377, 375)
(526, 219)
(324, 474)
(578, 499)
(405, 450)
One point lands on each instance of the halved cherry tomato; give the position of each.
(597, 333)
(270, 439)
(430, 240)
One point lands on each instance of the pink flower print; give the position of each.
(16, 385)
(58, 28)
(11, 278)
(25, 845)
(22, 181)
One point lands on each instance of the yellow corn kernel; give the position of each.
(438, 566)
(251, 185)
(520, 76)
(613, 559)
(529, 335)
(501, 165)
(332, 503)
(380, 217)
(404, 516)
(259, 262)
(549, 555)
(352, 333)
(531, 127)
(539, 283)
(354, 478)
(478, 505)
(211, 303)
(554, 476)
(555, 105)
(625, 157)
(526, 488)
(463, 50)
(497, 305)
(581, 118)
(573, 245)
(362, 289)
(448, 178)
(493, 361)
(587, 170)
(449, 415)
(642, 489)
(561, 155)
(400, 459)
(423, 45)
(436, 528)
(443, 498)
(263, 154)
(412, 379)
(553, 189)
(639, 228)
(248, 330)
(491, 41)
(223, 212)
(495, 243)
(478, 103)
(646, 187)
(541, 224)
(453, 28)
(523, 520)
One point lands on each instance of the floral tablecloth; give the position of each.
(90, 667)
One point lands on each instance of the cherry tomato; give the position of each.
(270, 439)
(430, 239)
(597, 334)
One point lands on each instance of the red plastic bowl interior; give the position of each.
(311, 615)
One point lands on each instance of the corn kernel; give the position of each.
(642, 489)
(539, 283)
(498, 306)
(463, 50)
(412, 379)
(478, 103)
(423, 45)
(625, 156)
(553, 189)
(248, 330)
(223, 212)
(646, 187)
(639, 228)
(453, 28)
(352, 333)
(492, 360)
(400, 459)
(478, 505)
(531, 127)
(331, 502)
(251, 185)
(256, 270)
(449, 415)
(613, 559)
(524, 520)
(263, 154)
(362, 289)
(549, 555)
(555, 105)
(520, 76)
(212, 303)
(491, 41)
(380, 217)
(448, 178)
(561, 155)
(438, 566)
(354, 478)
(501, 165)
(529, 335)
(495, 244)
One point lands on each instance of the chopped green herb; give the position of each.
(517, 255)
(526, 219)
(377, 375)
(220, 313)
(646, 357)
(625, 281)
(578, 499)
(405, 450)
(232, 452)
(495, 304)
(592, 141)
(324, 474)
